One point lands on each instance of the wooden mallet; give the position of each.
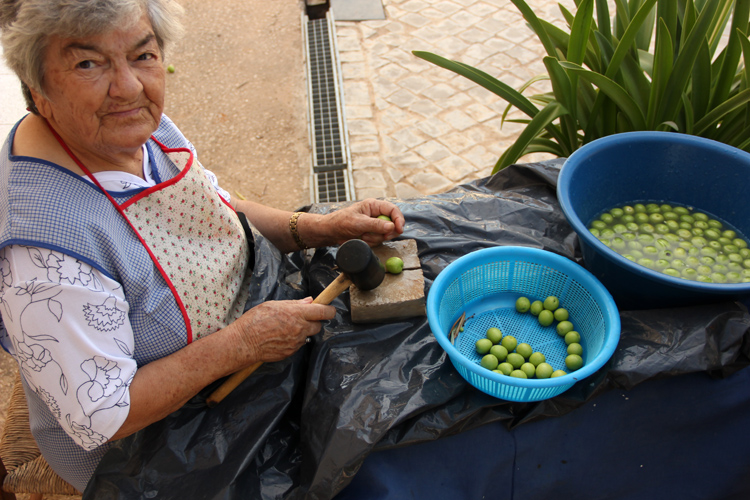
(358, 265)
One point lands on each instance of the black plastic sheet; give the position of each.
(303, 427)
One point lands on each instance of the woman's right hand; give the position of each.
(276, 329)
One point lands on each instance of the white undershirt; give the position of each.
(70, 329)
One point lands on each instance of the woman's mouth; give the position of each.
(125, 113)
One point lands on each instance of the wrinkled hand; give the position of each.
(276, 329)
(360, 221)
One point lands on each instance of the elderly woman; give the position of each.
(125, 268)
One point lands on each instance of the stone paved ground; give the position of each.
(419, 129)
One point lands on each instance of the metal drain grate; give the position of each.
(331, 172)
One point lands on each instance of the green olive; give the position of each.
(712, 234)
(635, 245)
(720, 268)
(715, 245)
(718, 278)
(661, 264)
(722, 259)
(656, 218)
(681, 210)
(646, 238)
(734, 277)
(708, 261)
(689, 273)
(692, 261)
(678, 264)
(646, 262)
(709, 251)
(734, 257)
(700, 217)
(699, 241)
(735, 267)
(704, 270)
(394, 265)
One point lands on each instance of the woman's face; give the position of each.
(105, 93)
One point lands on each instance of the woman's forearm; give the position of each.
(163, 386)
(274, 225)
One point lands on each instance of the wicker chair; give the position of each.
(22, 467)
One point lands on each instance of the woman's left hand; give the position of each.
(360, 221)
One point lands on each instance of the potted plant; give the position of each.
(607, 77)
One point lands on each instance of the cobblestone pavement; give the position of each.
(415, 128)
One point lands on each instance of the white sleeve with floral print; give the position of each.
(67, 326)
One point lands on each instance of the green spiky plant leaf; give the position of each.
(656, 65)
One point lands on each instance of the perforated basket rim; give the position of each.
(538, 256)
(577, 160)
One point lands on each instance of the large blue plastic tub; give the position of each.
(662, 167)
(485, 285)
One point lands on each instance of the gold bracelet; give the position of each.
(295, 233)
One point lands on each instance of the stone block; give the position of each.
(400, 296)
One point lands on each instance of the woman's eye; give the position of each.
(85, 64)
(146, 56)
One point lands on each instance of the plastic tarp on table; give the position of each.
(387, 396)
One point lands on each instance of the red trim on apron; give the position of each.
(121, 210)
(202, 243)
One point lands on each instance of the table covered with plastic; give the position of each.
(377, 411)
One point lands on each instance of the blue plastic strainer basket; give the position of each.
(485, 285)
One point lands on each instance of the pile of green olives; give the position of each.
(675, 240)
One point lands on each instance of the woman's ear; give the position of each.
(41, 104)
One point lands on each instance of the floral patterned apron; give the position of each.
(195, 239)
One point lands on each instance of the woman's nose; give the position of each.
(125, 83)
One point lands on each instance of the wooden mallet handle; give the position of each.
(332, 291)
